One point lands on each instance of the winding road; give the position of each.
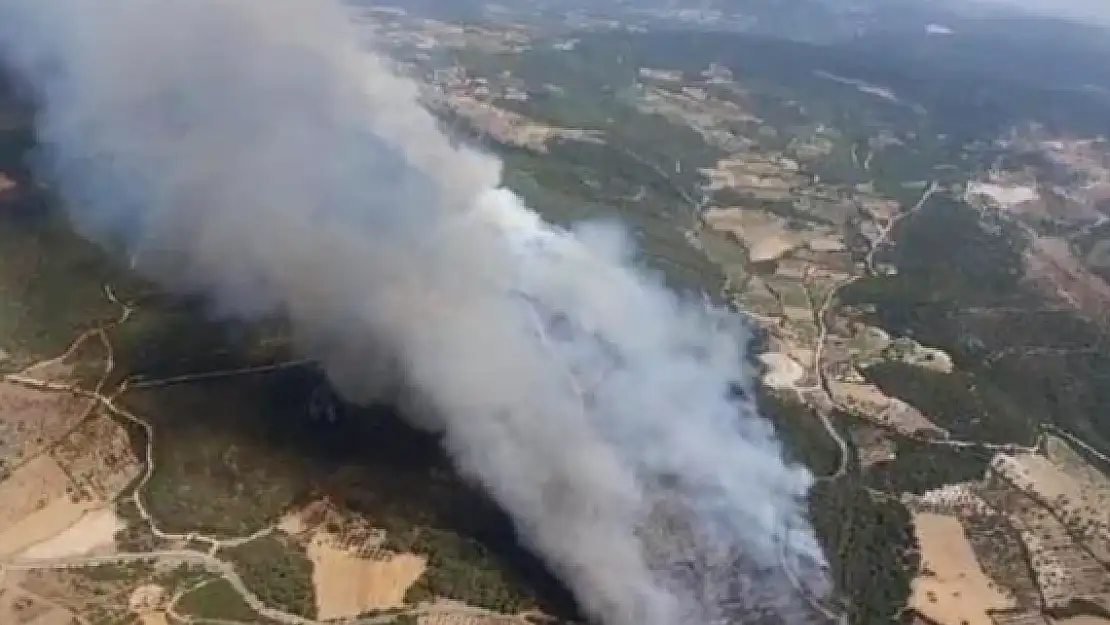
(820, 312)
(823, 411)
(226, 570)
(207, 560)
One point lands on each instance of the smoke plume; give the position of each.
(256, 152)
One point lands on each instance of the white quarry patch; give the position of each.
(784, 371)
(1005, 196)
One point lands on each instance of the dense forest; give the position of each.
(871, 546)
(1025, 359)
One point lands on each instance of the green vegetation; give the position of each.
(217, 469)
(631, 176)
(182, 577)
(216, 600)
(920, 466)
(51, 281)
(947, 260)
(135, 535)
(126, 572)
(277, 569)
(965, 92)
(578, 182)
(231, 457)
(969, 408)
(871, 547)
(463, 570)
(799, 428)
(1025, 360)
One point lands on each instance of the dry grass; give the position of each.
(35, 504)
(1050, 263)
(348, 585)
(766, 237)
(95, 530)
(1065, 491)
(31, 420)
(1081, 620)
(18, 607)
(78, 465)
(148, 603)
(99, 457)
(446, 616)
(457, 619)
(887, 411)
(952, 589)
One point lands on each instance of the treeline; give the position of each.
(217, 601)
(278, 570)
(871, 546)
(920, 466)
(803, 437)
(578, 181)
(463, 570)
(961, 287)
(947, 262)
(969, 408)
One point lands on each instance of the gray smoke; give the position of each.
(257, 153)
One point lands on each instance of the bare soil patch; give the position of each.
(783, 371)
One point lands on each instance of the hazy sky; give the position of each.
(1084, 10)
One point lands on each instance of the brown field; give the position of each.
(348, 585)
(96, 529)
(766, 237)
(952, 588)
(99, 457)
(1066, 493)
(458, 619)
(446, 616)
(36, 502)
(79, 464)
(1081, 620)
(31, 420)
(21, 608)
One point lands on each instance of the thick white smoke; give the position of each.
(255, 151)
